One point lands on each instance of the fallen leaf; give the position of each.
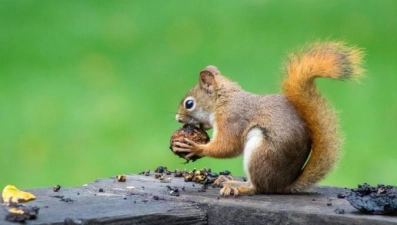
(12, 194)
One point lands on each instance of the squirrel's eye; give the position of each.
(189, 103)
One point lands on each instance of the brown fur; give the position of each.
(274, 132)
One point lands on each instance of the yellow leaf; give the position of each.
(11, 193)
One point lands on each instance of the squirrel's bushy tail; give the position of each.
(330, 60)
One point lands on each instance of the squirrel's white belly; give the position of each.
(254, 140)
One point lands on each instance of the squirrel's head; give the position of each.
(198, 106)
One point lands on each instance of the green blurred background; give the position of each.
(89, 89)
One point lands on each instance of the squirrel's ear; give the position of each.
(207, 81)
(212, 69)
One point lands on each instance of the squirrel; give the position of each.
(289, 141)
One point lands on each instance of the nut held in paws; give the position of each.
(192, 133)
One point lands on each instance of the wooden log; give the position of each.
(146, 200)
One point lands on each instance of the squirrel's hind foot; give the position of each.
(230, 189)
(231, 186)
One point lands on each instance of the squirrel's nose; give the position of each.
(177, 117)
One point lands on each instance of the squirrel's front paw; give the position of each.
(187, 147)
(221, 179)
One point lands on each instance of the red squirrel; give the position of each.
(289, 141)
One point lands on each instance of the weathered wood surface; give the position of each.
(150, 202)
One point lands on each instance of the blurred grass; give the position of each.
(89, 89)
